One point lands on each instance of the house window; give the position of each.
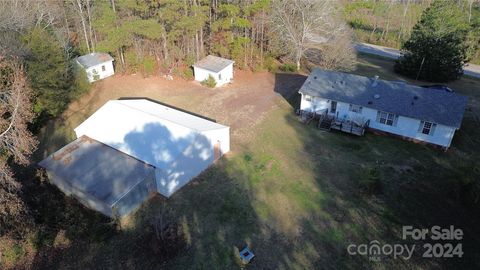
(427, 128)
(307, 97)
(103, 68)
(333, 106)
(220, 76)
(388, 119)
(355, 108)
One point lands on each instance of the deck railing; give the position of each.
(326, 121)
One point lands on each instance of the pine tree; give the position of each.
(436, 50)
(48, 72)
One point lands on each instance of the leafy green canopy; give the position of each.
(437, 48)
(119, 33)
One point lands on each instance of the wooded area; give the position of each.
(390, 23)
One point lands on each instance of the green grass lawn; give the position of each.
(298, 196)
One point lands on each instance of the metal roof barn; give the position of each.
(171, 145)
(101, 177)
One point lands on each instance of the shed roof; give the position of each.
(97, 169)
(151, 132)
(396, 97)
(213, 63)
(93, 59)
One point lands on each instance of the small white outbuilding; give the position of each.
(219, 68)
(97, 65)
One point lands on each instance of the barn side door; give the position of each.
(217, 150)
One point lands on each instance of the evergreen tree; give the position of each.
(48, 72)
(436, 50)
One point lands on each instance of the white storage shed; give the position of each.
(97, 65)
(220, 69)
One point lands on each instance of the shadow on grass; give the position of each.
(287, 85)
(417, 189)
(201, 227)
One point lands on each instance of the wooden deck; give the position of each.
(348, 127)
(328, 122)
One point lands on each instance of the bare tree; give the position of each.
(16, 14)
(15, 107)
(300, 25)
(79, 6)
(336, 54)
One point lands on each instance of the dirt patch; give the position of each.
(240, 105)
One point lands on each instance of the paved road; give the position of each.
(391, 53)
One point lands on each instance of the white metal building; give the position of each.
(176, 145)
(97, 65)
(220, 69)
(413, 112)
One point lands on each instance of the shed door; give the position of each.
(217, 150)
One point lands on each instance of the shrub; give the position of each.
(148, 66)
(14, 253)
(270, 64)
(80, 83)
(369, 180)
(209, 82)
(288, 67)
(188, 73)
(132, 61)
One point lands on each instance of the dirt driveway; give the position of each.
(240, 105)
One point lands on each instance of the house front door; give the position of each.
(333, 107)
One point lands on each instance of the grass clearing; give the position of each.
(292, 192)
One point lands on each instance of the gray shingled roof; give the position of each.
(213, 63)
(93, 59)
(400, 98)
(96, 169)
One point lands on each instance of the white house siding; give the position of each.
(109, 71)
(226, 75)
(405, 126)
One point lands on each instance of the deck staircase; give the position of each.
(325, 123)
